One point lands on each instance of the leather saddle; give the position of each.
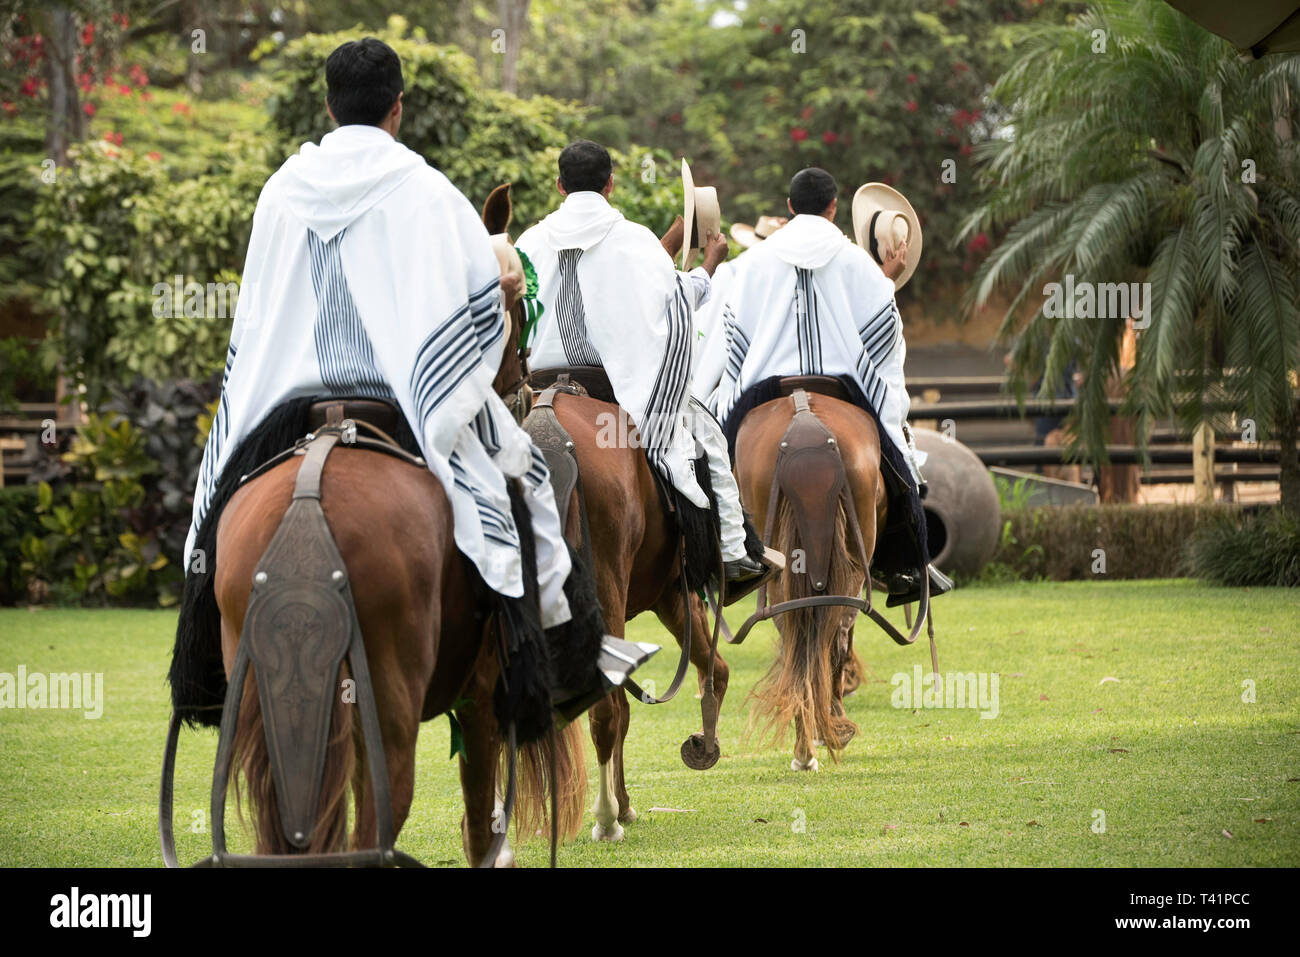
(378, 413)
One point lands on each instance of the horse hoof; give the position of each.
(612, 834)
(696, 757)
(506, 858)
(628, 816)
(812, 765)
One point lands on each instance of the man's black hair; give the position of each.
(812, 191)
(584, 167)
(362, 79)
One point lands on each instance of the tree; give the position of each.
(889, 90)
(1144, 149)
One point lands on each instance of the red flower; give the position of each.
(966, 149)
(886, 46)
(87, 34)
(978, 244)
(776, 29)
(124, 89)
(181, 107)
(911, 78)
(807, 113)
(30, 86)
(9, 108)
(146, 96)
(154, 155)
(739, 84)
(675, 118)
(798, 134)
(910, 106)
(959, 67)
(88, 109)
(829, 137)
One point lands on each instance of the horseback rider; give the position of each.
(369, 274)
(808, 301)
(612, 299)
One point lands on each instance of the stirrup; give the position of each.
(939, 584)
(617, 660)
(773, 563)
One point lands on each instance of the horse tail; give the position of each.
(254, 788)
(533, 797)
(798, 686)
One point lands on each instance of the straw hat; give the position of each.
(746, 235)
(701, 205)
(883, 218)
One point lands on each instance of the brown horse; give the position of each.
(427, 639)
(638, 567)
(807, 682)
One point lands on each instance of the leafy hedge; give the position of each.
(112, 226)
(1059, 543)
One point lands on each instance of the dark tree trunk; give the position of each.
(65, 123)
(514, 20)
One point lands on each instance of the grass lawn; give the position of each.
(1184, 771)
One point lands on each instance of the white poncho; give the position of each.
(369, 273)
(807, 301)
(612, 298)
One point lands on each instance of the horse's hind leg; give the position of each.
(479, 764)
(841, 660)
(399, 725)
(673, 617)
(609, 720)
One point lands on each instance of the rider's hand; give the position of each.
(512, 288)
(672, 240)
(715, 252)
(896, 262)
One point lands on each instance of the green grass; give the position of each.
(1170, 752)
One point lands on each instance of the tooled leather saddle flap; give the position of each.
(810, 474)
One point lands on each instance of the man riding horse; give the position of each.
(370, 275)
(806, 301)
(613, 301)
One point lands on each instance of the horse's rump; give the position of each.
(902, 545)
(197, 674)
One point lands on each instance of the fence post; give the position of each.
(1203, 463)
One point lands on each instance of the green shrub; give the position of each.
(1263, 550)
(87, 550)
(172, 419)
(1060, 543)
(18, 519)
(110, 229)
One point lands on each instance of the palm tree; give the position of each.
(1143, 148)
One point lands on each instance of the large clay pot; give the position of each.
(961, 507)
